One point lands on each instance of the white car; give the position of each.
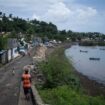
(22, 51)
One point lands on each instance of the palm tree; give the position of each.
(3, 14)
(0, 21)
(0, 15)
(10, 17)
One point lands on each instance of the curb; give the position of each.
(37, 99)
(36, 96)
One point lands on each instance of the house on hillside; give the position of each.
(11, 51)
(36, 41)
(12, 45)
(3, 57)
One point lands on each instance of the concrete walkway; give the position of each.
(35, 98)
(22, 100)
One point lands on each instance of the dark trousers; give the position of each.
(26, 90)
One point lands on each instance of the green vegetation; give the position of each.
(64, 95)
(62, 86)
(58, 72)
(91, 43)
(3, 43)
(29, 28)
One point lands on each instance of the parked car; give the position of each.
(22, 51)
(48, 44)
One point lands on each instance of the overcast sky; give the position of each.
(77, 15)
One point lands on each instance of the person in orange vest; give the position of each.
(26, 79)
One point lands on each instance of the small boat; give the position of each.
(83, 51)
(94, 58)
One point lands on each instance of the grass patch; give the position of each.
(58, 71)
(64, 95)
(61, 86)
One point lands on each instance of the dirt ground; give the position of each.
(10, 81)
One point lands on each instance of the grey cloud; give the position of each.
(66, 14)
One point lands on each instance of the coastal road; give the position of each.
(9, 83)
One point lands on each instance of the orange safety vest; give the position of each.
(26, 80)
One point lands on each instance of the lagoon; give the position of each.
(93, 69)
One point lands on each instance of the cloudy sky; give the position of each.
(77, 15)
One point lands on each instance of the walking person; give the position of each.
(26, 79)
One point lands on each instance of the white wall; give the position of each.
(15, 52)
(9, 55)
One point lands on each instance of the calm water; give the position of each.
(93, 69)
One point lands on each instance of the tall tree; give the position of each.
(0, 14)
(10, 15)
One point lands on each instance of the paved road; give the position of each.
(9, 83)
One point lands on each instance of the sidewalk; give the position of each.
(34, 98)
(22, 100)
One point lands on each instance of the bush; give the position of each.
(62, 87)
(57, 71)
(91, 43)
(64, 95)
(3, 43)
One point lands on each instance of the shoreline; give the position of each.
(90, 87)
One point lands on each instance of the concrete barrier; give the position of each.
(36, 96)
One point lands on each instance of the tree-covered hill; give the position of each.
(30, 28)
